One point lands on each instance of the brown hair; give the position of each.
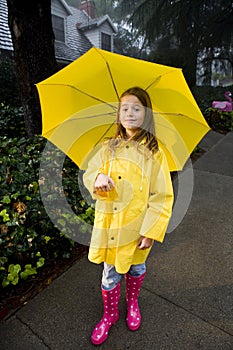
(147, 130)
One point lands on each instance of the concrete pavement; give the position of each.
(187, 296)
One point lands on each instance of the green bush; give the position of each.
(219, 121)
(28, 237)
(11, 121)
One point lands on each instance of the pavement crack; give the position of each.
(190, 312)
(33, 332)
(212, 173)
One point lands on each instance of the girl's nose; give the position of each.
(130, 112)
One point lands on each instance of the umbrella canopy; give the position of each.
(79, 105)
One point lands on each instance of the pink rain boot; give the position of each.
(111, 315)
(133, 285)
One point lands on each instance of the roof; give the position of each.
(90, 23)
(5, 34)
(64, 53)
(76, 39)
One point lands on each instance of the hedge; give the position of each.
(28, 237)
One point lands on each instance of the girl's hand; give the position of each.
(144, 243)
(103, 183)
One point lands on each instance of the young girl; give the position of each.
(130, 180)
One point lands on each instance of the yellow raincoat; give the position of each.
(139, 205)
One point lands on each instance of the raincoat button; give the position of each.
(115, 208)
(119, 177)
(127, 146)
(112, 238)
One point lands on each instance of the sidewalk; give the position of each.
(187, 296)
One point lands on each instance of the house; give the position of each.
(76, 30)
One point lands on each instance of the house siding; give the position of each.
(58, 10)
(94, 35)
(105, 28)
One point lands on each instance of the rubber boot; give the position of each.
(133, 285)
(110, 316)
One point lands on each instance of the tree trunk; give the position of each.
(33, 40)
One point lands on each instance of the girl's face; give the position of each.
(132, 114)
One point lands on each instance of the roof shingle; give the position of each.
(5, 34)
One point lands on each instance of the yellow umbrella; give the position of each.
(79, 105)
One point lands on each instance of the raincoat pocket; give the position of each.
(109, 196)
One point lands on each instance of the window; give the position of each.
(58, 28)
(106, 42)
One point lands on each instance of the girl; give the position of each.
(130, 180)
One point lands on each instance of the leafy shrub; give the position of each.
(218, 120)
(28, 237)
(11, 121)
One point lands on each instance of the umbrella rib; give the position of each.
(110, 73)
(85, 93)
(153, 82)
(113, 83)
(179, 115)
(104, 134)
(83, 118)
(159, 77)
(89, 117)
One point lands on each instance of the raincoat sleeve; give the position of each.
(159, 207)
(95, 167)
